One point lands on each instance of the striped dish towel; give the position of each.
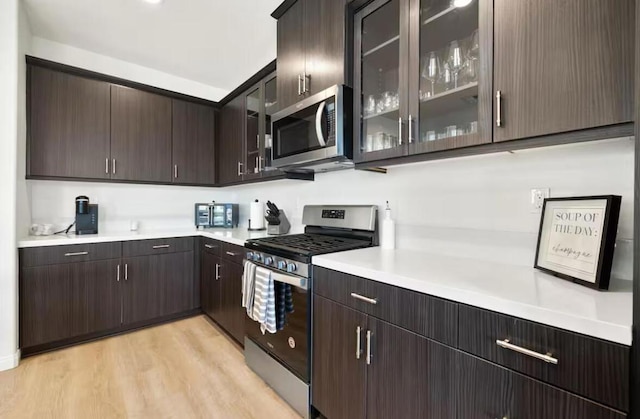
(248, 283)
(264, 301)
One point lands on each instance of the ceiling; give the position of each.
(216, 42)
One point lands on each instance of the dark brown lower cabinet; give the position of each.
(232, 312)
(157, 285)
(210, 285)
(63, 301)
(365, 367)
(487, 390)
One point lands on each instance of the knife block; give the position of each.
(282, 228)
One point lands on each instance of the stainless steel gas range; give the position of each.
(283, 359)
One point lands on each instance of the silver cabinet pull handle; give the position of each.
(175, 171)
(232, 254)
(305, 77)
(399, 131)
(543, 357)
(240, 164)
(410, 122)
(217, 272)
(106, 165)
(77, 254)
(299, 84)
(118, 273)
(162, 246)
(210, 246)
(126, 271)
(369, 356)
(358, 345)
(498, 108)
(365, 299)
(113, 166)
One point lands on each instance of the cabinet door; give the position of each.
(338, 368)
(210, 284)
(408, 376)
(229, 142)
(486, 390)
(562, 66)
(271, 106)
(140, 135)
(68, 125)
(193, 143)
(231, 300)
(142, 290)
(324, 37)
(291, 54)
(450, 63)
(68, 300)
(178, 282)
(252, 121)
(380, 96)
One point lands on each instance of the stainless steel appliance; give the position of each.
(316, 133)
(283, 359)
(86, 216)
(217, 215)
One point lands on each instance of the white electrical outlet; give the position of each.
(537, 199)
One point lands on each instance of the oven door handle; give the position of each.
(319, 132)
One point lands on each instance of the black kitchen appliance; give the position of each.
(283, 359)
(86, 216)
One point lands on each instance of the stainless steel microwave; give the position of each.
(315, 133)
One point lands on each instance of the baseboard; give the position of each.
(10, 361)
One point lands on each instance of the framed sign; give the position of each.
(577, 237)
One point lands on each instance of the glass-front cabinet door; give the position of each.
(271, 107)
(253, 106)
(449, 75)
(380, 94)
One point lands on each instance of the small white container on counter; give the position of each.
(388, 230)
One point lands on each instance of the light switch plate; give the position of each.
(537, 199)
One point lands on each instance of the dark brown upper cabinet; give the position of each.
(230, 141)
(422, 77)
(140, 136)
(311, 49)
(193, 143)
(562, 66)
(68, 125)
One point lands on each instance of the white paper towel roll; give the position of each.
(256, 215)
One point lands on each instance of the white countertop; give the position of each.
(514, 290)
(235, 236)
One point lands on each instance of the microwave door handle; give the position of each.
(319, 133)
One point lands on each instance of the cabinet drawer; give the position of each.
(51, 255)
(157, 246)
(590, 367)
(211, 246)
(428, 316)
(487, 390)
(233, 253)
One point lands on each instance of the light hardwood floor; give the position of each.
(185, 369)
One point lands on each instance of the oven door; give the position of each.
(310, 131)
(289, 346)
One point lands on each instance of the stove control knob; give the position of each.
(282, 265)
(268, 260)
(291, 267)
(249, 255)
(257, 257)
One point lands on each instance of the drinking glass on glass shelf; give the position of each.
(430, 70)
(455, 61)
(473, 56)
(370, 105)
(445, 77)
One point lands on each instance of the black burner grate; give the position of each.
(311, 244)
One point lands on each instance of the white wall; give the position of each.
(66, 54)
(477, 205)
(8, 169)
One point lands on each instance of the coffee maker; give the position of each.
(86, 216)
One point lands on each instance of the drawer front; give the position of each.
(211, 246)
(51, 255)
(428, 316)
(233, 253)
(487, 390)
(590, 367)
(157, 246)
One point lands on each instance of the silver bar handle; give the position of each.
(175, 171)
(498, 108)
(118, 273)
(217, 272)
(113, 166)
(232, 254)
(162, 246)
(369, 356)
(77, 254)
(210, 246)
(543, 357)
(106, 165)
(358, 344)
(240, 164)
(257, 166)
(299, 84)
(305, 77)
(400, 131)
(126, 271)
(260, 167)
(365, 299)
(410, 122)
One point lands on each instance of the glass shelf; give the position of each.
(387, 113)
(382, 45)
